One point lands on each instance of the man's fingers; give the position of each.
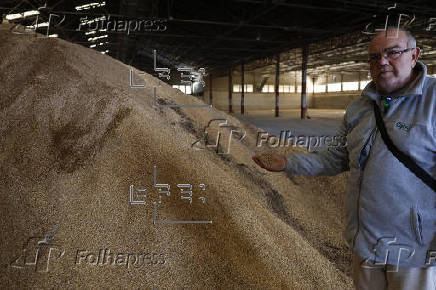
(270, 162)
(258, 161)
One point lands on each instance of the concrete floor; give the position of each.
(322, 122)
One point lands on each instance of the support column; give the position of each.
(230, 91)
(342, 82)
(313, 85)
(295, 82)
(303, 82)
(358, 84)
(242, 88)
(210, 89)
(326, 82)
(277, 84)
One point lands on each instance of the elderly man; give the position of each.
(391, 211)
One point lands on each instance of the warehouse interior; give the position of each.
(100, 98)
(245, 44)
(253, 53)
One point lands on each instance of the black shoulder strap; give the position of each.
(403, 158)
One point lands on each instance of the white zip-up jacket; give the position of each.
(391, 213)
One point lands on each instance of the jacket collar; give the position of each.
(414, 88)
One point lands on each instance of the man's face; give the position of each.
(392, 74)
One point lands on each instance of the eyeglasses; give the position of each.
(388, 54)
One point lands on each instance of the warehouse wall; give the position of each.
(254, 100)
(257, 101)
(336, 100)
(265, 101)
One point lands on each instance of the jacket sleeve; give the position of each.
(330, 161)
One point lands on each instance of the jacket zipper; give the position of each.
(360, 184)
(358, 212)
(361, 174)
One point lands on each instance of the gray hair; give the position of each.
(411, 41)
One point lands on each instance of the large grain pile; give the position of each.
(75, 137)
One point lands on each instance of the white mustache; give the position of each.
(384, 69)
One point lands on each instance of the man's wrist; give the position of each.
(288, 166)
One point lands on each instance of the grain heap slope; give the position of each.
(74, 137)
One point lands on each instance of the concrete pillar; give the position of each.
(277, 84)
(295, 81)
(326, 82)
(242, 88)
(230, 91)
(358, 84)
(342, 82)
(313, 85)
(210, 89)
(303, 82)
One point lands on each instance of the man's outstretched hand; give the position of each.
(270, 162)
